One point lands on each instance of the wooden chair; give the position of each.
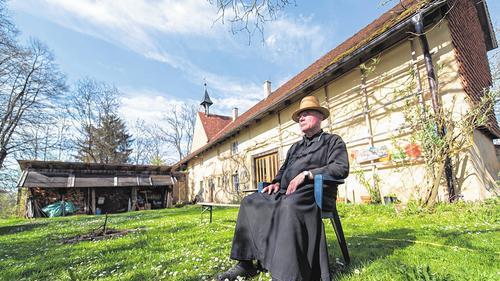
(325, 195)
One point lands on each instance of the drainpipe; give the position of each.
(431, 78)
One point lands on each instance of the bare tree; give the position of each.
(189, 113)
(159, 150)
(8, 30)
(150, 145)
(249, 16)
(30, 90)
(101, 136)
(141, 143)
(30, 84)
(9, 176)
(83, 105)
(86, 105)
(179, 128)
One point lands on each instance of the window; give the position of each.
(201, 185)
(234, 148)
(236, 182)
(266, 167)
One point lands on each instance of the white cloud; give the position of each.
(128, 23)
(134, 24)
(141, 25)
(145, 105)
(231, 92)
(293, 38)
(167, 16)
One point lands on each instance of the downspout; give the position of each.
(431, 78)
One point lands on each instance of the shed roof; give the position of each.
(79, 166)
(57, 174)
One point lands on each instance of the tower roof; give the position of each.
(206, 98)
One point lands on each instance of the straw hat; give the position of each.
(310, 103)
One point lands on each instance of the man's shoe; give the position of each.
(242, 269)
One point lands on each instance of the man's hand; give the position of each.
(298, 180)
(272, 188)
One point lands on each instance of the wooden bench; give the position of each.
(208, 206)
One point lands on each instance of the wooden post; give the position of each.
(63, 206)
(169, 199)
(368, 123)
(87, 200)
(134, 197)
(93, 200)
(327, 100)
(29, 204)
(280, 139)
(414, 62)
(163, 197)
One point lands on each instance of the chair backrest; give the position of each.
(261, 185)
(325, 192)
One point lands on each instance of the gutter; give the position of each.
(436, 105)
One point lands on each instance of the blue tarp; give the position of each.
(55, 210)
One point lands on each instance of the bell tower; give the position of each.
(207, 102)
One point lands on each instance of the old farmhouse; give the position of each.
(415, 51)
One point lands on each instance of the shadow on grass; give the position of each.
(466, 239)
(125, 216)
(57, 257)
(366, 248)
(14, 229)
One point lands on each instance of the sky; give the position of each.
(160, 53)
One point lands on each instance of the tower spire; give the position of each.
(207, 102)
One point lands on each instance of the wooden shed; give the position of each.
(93, 188)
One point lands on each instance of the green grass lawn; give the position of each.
(455, 242)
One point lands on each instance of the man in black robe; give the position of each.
(281, 229)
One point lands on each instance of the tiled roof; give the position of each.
(212, 124)
(389, 19)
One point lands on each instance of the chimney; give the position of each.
(267, 88)
(235, 113)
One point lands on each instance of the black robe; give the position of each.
(285, 232)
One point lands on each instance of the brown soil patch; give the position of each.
(98, 235)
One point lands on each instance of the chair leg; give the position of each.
(340, 236)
